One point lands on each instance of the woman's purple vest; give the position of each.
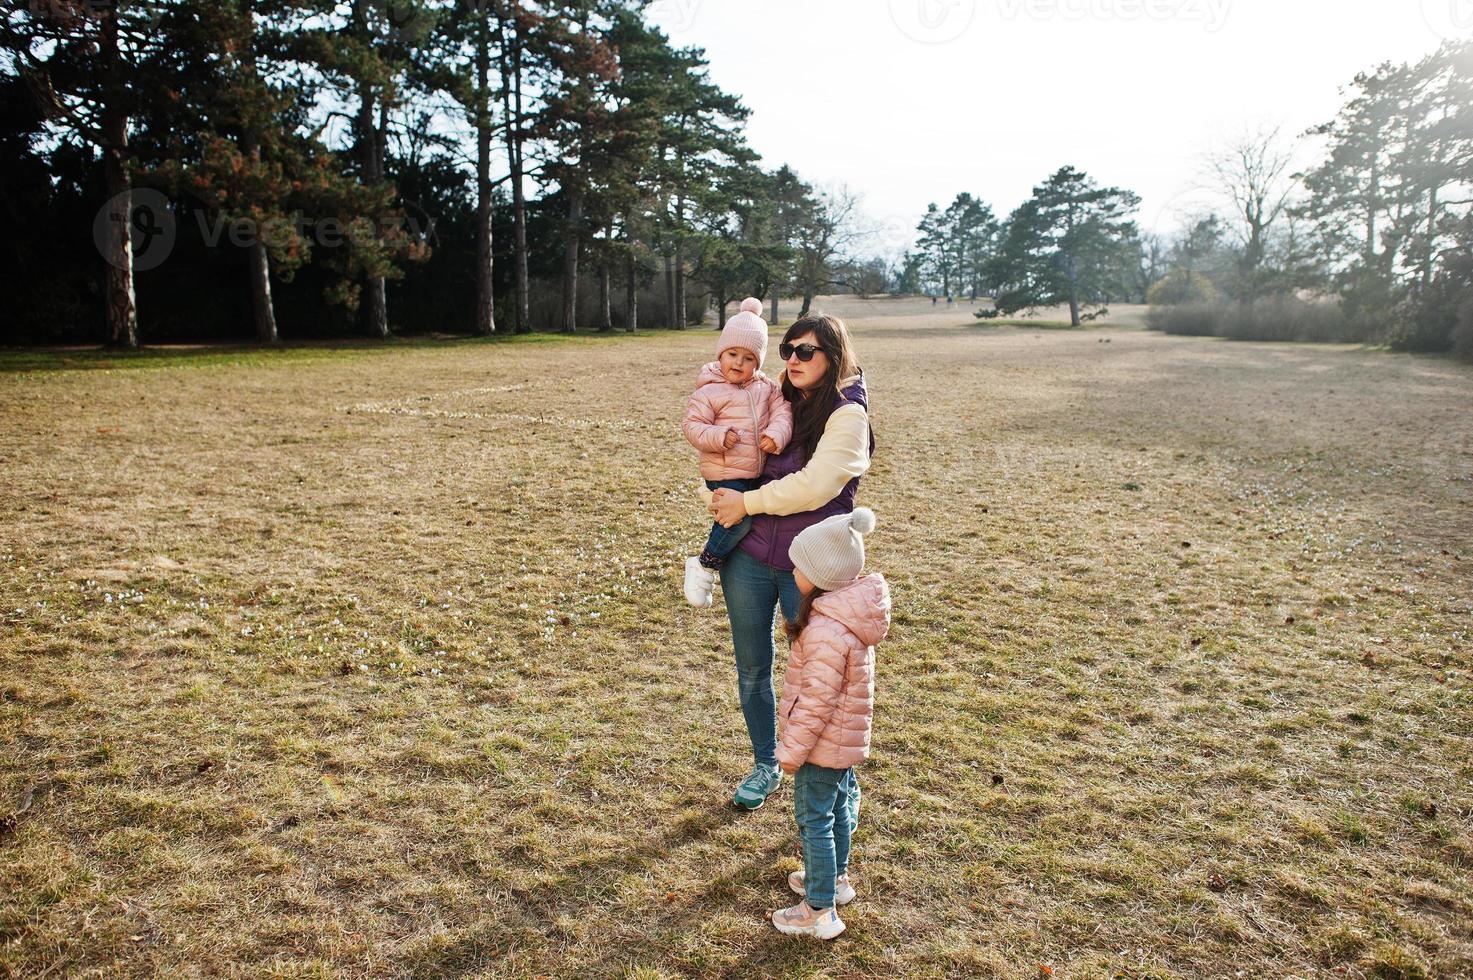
(771, 536)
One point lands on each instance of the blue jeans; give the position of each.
(723, 540)
(826, 807)
(753, 591)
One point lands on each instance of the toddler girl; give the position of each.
(736, 415)
(826, 711)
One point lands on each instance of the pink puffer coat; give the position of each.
(753, 410)
(827, 708)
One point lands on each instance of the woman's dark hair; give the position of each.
(805, 610)
(811, 414)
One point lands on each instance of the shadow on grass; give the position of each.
(1026, 324)
(18, 360)
(484, 945)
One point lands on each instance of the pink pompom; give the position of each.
(752, 305)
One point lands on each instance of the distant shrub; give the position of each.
(1178, 286)
(1463, 332)
(1280, 318)
(1433, 318)
(1186, 320)
(1416, 328)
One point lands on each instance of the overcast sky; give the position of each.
(912, 101)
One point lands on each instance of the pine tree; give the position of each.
(231, 142)
(364, 55)
(628, 186)
(465, 45)
(85, 63)
(578, 121)
(1380, 200)
(1063, 245)
(697, 138)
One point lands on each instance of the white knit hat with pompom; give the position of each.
(746, 330)
(830, 554)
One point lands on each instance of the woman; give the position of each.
(815, 477)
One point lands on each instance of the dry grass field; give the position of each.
(372, 663)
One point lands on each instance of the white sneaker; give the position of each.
(800, 920)
(843, 889)
(700, 582)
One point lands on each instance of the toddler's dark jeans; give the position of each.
(723, 540)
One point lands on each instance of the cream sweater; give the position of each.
(842, 454)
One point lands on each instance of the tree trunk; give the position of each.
(631, 293)
(121, 306)
(808, 295)
(1074, 320)
(773, 318)
(679, 287)
(121, 315)
(669, 292)
(1431, 237)
(485, 324)
(570, 264)
(679, 317)
(263, 309)
(511, 93)
(261, 305)
(1372, 204)
(375, 305)
(605, 296)
(519, 244)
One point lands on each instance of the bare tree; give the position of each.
(833, 227)
(1253, 174)
(1154, 250)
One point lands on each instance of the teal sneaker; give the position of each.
(757, 787)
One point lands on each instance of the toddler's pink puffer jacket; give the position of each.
(753, 410)
(827, 708)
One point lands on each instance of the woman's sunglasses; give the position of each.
(805, 352)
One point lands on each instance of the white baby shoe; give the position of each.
(700, 582)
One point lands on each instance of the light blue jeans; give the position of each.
(753, 591)
(826, 807)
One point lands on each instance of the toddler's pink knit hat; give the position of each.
(746, 330)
